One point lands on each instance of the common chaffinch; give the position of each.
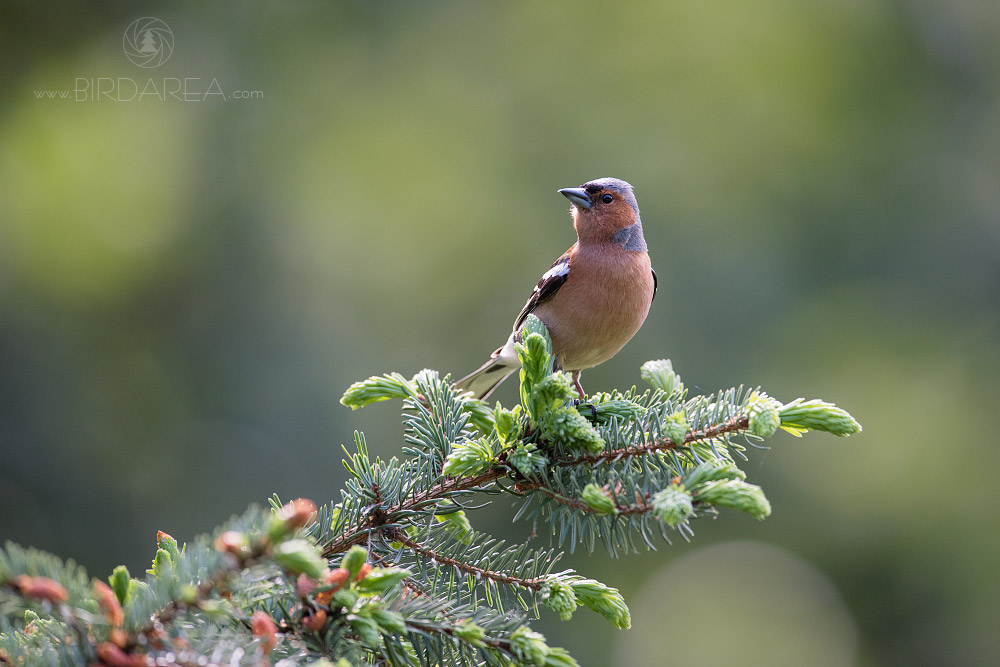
(594, 298)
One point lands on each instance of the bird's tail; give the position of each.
(482, 381)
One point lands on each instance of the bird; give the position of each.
(594, 298)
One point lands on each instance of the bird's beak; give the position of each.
(578, 196)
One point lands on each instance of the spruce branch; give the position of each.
(393, 572)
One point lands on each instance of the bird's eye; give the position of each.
(607, 199)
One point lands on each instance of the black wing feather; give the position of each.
(654, 285)
(550, 283)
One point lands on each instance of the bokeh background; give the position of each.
(187, 287)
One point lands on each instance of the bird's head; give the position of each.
(605, 210)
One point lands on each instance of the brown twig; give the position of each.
(386, 516)
(532, 584)
(498, 644)
(383, 516)
(640, 507)
(664, 444)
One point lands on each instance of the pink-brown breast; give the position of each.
(603, 303)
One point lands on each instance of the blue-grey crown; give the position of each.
(615, 185)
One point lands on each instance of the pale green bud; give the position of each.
(381, 579)
(533, 326)
(710, 471)
(353, 560)
(367, 629)
(468, 458)
(290, 517)
(598, 499)
(736, 494)
(480, 415)
(763, 413)
(559, 657)
(375, 389)
(469, 632)
(136, 587)
(216, 609)
(389, 621)
(161, 563)
(660, 375)
(119, 580)
(189, 594)
(169, 544)
(535, 355)
(300, 556)
(816, 415)
(569, 428)
(673, 505)
(601, 408)
(529, 646)
(457, 521)
(675, 427)
(425, 377)
(526, 459)
(345, 597)
(559, 597)
(554, 390)
(606, 601)
(532, 351)
(507, 424)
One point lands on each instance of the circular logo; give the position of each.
(148, 42)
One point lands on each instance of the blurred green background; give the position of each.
(187, 287)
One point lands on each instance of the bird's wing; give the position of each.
(654, 285)
(550, 283)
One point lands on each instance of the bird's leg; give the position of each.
(579, 387)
